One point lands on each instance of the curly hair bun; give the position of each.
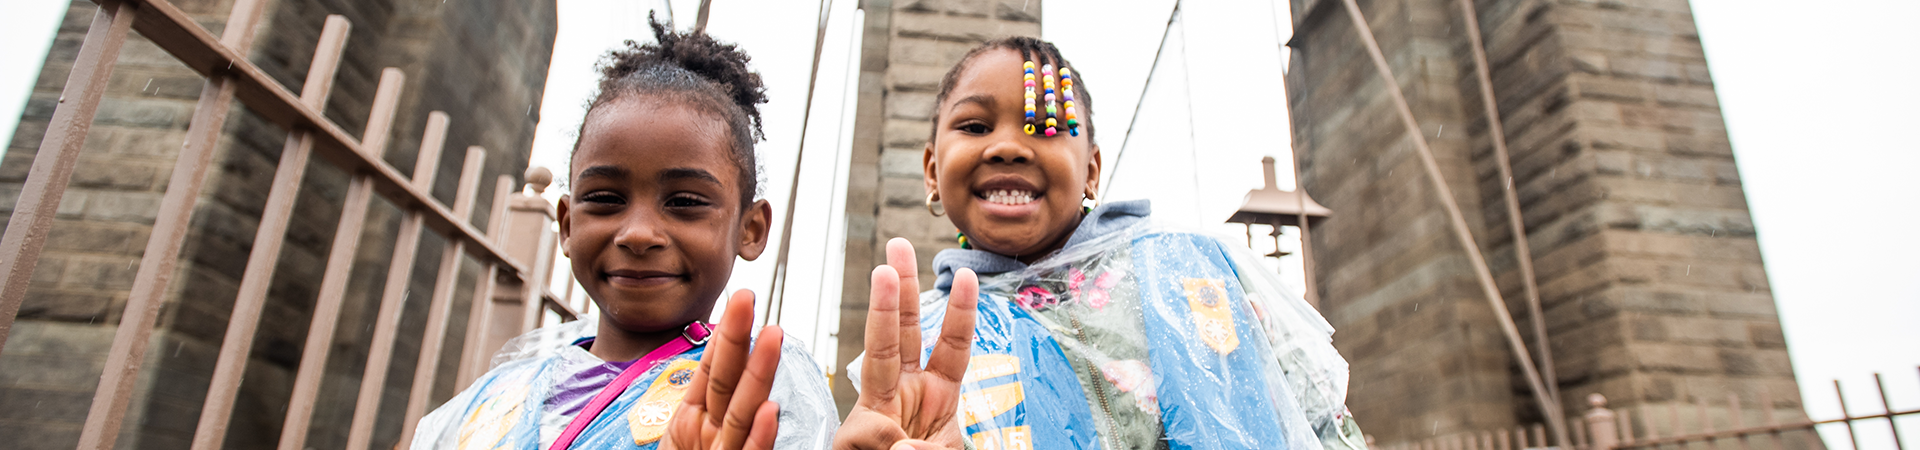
(695, 69)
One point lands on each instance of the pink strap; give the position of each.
(695, 334)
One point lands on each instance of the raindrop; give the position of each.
(1443, 131)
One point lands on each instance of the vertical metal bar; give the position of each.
(1626, 426)
(473, 357)
(333, 285)
(1580, 435)
(776, 291)
(267, 241)
(427, 367)
(1653, 431)
(1486, 440)
(1505, 440)
(150, 284)
(1522, 252)
(1735, 420)
(1846, 417)
(53, 164)
(1520, 438)
(1540, 435)
(1888, 407)
(1673, 412)
(1706, 422)
(534, 301)
(1766, 414)
(386, 327)
(1547, 404)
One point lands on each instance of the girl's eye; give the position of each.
(975, 128)
(686, 201)
(607, 198)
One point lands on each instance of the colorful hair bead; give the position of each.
(1028, 129)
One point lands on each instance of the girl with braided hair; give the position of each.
(662, 200)
(1090, 327)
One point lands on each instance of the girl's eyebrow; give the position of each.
(984, 100)
(603, 171)
(678, 173)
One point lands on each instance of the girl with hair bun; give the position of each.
(662, 200)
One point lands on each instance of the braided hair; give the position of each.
(692, 69)
(1031, 49)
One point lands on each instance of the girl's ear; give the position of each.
(754, 225)
(931, 174)
(560, 210)
(1093, 174)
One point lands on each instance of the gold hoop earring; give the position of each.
(930, 196)
(1095, 196)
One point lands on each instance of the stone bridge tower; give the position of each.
(1650, 276)
(907, 46)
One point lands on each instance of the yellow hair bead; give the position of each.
(1051, 123)
(1028, 129)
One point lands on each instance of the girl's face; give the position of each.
(1011, 193)
(654, 220)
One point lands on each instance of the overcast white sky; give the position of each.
(1819, 102)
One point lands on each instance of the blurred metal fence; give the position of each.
(520, 224)
(1601, 428)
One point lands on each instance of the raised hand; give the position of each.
(901, 405)
(726, 406)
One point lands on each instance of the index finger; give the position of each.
(900, 257)
(726, 354)
(952, 352)
(880, 367)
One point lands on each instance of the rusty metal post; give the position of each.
(150, 284)
(1601, 422)
(333, 285)
(1845, 416)
(1888, 407)
(1625, 427)
(1735, 419)
(1458, 222)
(386, 327)
(53, 164)
(474, 356)
(427, 367)
(267, 241)
(537, 216)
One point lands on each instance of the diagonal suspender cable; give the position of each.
(1517, 224)
(700, 20)
(776, 298)
(1458, 221)
(1142, 101)
(1193, 132)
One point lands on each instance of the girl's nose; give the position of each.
(640, 234)
(1007, 151)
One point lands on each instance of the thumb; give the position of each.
(915, 444)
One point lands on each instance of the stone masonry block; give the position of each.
(967, 30)
(122, 206)
(916, 106)
(1019, 11)
(97, 237)
(928, 51)
(911, 77)
(1610, 89)
(65, 305)
(900, 163)
(973, 8)
(904, 134)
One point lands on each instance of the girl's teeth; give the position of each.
(1009, 197)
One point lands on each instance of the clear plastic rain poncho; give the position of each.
(1142, 336)
(522, 402)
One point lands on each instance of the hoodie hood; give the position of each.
(1107, 219)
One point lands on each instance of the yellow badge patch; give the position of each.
(1212, 316)
(1009, 438)
(492, 420)
(986, 403)
(649, 417)
(982, 367)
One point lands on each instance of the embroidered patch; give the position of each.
(654, 410)
(1036, 298)
(1134, 377)
(982, 367)
(1009, 438)
(1212, 317)
(492, 420)
(1094, 293)
(982, 404)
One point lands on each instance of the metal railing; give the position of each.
(229, 76)
(1601, 428)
